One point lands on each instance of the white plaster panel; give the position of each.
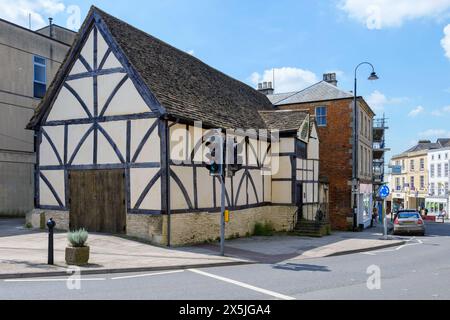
(117, 130)
(105, 152)
(88, 50)
(127, 101)
(253, 151)
(151, 150)
(85, 89)
(219, 191)
(281, 192)
(78, 68)
(284, 168)
(47, 156)
(102, 47)
(85, 154)
(177, 199)
(287, 145)
(111, 62)
(242, 199)
(257, 180)
(179, 142)
(204, 189)
(139, 179)
(106, 85)
(56, 179)
(66, 107)
(267, 189)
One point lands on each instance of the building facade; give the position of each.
(333, 109)
(29, 60)
(437, 200)
(410, 181)
(118, 148)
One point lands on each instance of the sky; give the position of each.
(407, 41)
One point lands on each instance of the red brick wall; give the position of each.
(335, 156)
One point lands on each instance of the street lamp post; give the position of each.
(355, 185)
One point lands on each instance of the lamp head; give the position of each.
(373, 76)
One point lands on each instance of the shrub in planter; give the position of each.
(78, 252)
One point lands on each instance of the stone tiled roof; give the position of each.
(184, 86)
(284, 120)
(320, 91)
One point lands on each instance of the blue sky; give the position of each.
(404, 39)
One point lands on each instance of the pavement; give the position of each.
(23, 252)
(418, 270)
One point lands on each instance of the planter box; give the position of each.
(77, 256)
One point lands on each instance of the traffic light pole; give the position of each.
(222, 216)
(222, 197)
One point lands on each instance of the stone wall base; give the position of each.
(186, 228)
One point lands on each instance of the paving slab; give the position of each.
(25, 255)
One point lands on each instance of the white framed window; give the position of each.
(321, 116)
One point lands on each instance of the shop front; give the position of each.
(365, 205)
(398, 201)
(436, 206)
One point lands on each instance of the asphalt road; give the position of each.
(418, 270)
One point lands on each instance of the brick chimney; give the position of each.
(330, 78)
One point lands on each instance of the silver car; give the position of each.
(409, 221)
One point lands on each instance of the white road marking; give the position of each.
(53, 280)
(374, 253)
(147, 275)
(244, 285)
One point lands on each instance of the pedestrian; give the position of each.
(374, 216)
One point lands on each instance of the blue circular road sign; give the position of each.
(384, 191)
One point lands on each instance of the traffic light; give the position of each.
(214, 154)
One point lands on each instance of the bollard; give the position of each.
(51, 225)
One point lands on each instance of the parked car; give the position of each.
(409, 221)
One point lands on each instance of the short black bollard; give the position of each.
(51, 225)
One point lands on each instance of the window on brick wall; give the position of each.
(321, 116)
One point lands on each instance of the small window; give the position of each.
(439, 170)
(321, 116)
(446, 170)
(300, 149)
(422, 164)
(432, 171)
(422, 182)
(40, 77)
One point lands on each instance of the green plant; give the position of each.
(265, 229)
(78, 238)
(28, 225)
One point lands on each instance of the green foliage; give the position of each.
(28, 226)
(265, 229)
(78, 238)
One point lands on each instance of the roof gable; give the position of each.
(320, 91)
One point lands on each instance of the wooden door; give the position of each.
(97, 200)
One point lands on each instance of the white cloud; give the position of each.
(378, 101)
(441, 112)
(416, 111)
(434, 134)
(287, 79)
(378, 14)
(18, 11)
(445, 42)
